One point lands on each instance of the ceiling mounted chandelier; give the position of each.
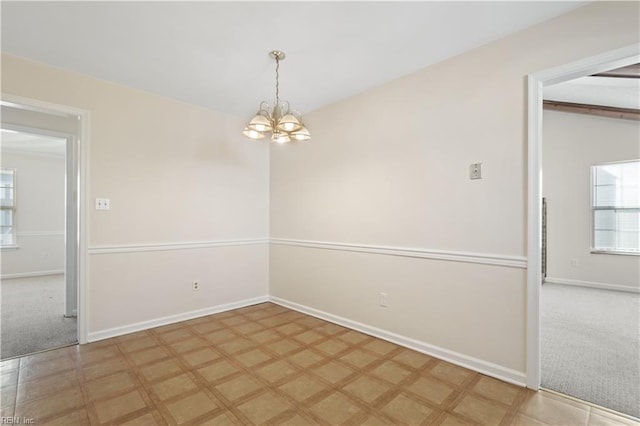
(280, 122)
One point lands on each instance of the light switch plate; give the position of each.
(103, 204)
(475, 171)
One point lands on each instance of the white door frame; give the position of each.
(614, 59)
(82, 170)
(71, 227)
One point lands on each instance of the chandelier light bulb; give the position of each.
(280, 137)
(301, 135)
(289, 123)
(252, 134)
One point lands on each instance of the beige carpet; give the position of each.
(591, 345)
(32, 316)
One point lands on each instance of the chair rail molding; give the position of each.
(181, 245)
(420, 253)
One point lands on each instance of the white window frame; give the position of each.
(594, 209)
(12, 208)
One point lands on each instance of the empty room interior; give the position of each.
(320, 213)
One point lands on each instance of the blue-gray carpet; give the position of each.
(591, 345)
(32, 316)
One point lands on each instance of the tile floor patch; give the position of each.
(137, 344)
(302, 387)
(552, 411)
(283, 346)
(189, 408)
(450, 373)
(308, 337)
(407, 410)
(173, 387)
(480, 411)
(238, 387)
(175, 335)
(367, 388)
(331, 347)
(306, 358)
(98, 355)
(431, 390)
(189, 344)
(263, 408)
(148, 355)
(200, 357)
(36, 389)
(160, 369)
(381, 347)
(360, 358)
(253, 357)
(248, 328)
(290, 328)
(354, 337)
(333, 372)
(336, 408)
(391, 371)
(275, 371)
(119, 406)
(412, 358)
(218, 370)
(235, 345)
(50, 405)
(496, 390)
(264, 336)
(112, 385)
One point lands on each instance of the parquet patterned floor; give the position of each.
(266, 364)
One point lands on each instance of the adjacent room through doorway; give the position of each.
(589, 302)
(38, 289)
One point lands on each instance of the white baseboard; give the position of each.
(145, 325)
(74, 314)
(475, 364)
(591, 284)
(31, 274)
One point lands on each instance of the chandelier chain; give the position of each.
(277, 81)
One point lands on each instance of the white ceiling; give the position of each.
(29, 143)
(215, 54)
(607, 91)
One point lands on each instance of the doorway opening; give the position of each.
(590, 333)
(40, 230)
(539, 299)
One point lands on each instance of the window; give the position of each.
(7, 207)
(616, 207)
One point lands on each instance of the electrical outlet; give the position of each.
(196, 285)
(383, 300)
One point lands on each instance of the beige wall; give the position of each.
(389, 167)
(175, 173)
(39, 216)
(572, 144)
